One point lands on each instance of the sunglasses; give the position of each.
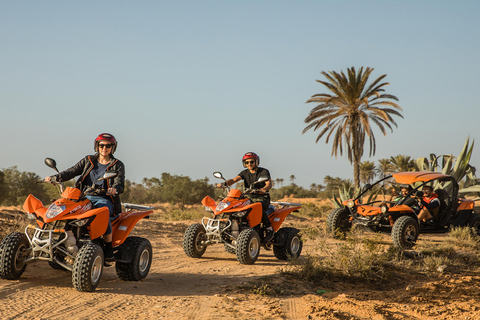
(249, 162)
(105, 145)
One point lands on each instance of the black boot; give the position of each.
(269, 232)
(108, 252)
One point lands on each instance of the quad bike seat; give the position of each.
(271, 209)
(444, 205)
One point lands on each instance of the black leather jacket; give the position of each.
(83, 168)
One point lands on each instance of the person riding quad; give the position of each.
(90, 169)
(429, 204)
(250, 175)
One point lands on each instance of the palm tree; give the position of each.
(367, 171)
(292, 178)
(345, 115)
(402, 163)
(384, 168)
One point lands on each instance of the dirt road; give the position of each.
(218, 287)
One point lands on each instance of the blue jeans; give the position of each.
(100, 202)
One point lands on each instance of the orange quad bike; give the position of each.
(236, 222)
(69, 236)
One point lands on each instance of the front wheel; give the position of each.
(193, 240)
(138, 268)
(405, 232)
(88, 268)
(248, 246)
(291, 246)
(338, 222)
(14, 249)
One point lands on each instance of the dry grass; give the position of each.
(368, 258)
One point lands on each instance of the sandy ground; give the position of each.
(218, 287)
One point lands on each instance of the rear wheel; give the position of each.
(405, 232)
(138, 268)
(88, 267)
(192, 240)
(338, 222)
(14, 249)
(248, 246)
(291, 248)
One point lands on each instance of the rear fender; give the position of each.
(466, 205)
(279, 215)
(123, 225)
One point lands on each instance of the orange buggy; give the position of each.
(399, 219)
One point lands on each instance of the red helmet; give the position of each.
(105, 137)
(251, 155)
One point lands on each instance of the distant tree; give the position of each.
(281, 182)
(384, 168)
(18, 185)
(367, 171)
(332, 185)
(3, 187)
(402, 163)
(292, 179)
(347, 113)
(182, 190)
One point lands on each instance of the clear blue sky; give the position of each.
(188, 87)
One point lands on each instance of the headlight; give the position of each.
(350, 204)
(384, 209)
(240, 214)
(222, 206)
(208, 209)
(54, 211)
(79, 223)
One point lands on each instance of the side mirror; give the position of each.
(108, 175)
(218, 174)
(51, 163)
(261, 179)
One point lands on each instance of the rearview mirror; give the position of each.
(218, 174)
(51, 163)
(108, 175)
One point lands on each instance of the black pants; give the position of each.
(264, 199)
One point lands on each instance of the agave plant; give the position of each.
(458, 167)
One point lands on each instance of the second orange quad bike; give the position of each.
(236, 222)
(69, 234)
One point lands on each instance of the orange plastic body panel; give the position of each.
(255, 216)
(279, 215)
(123, 225)
(417, 176)
(33, 204)
(209, 202)
(71, 193)
(466, 205)
(401, 208)
(234, 193)
(99, 225)
(368, 210)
